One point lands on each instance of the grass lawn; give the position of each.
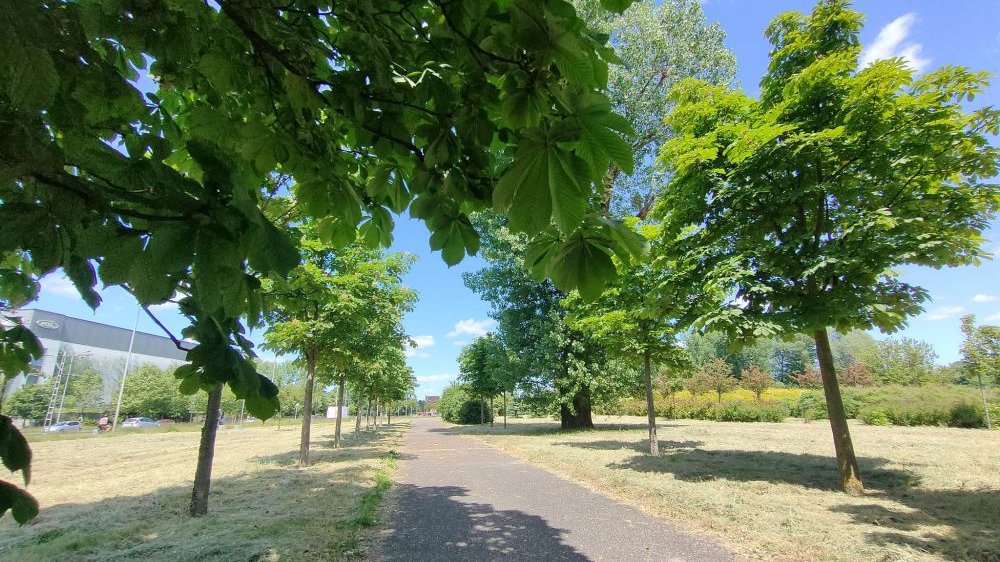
(126, 497)
(767, 490)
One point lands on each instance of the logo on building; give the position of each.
(48, 324)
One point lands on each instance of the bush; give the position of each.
(874, 416)
(457, 405)
(695, 408)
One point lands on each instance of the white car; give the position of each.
(140, 422)
(64, 427)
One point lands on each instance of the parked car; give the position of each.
(140, 422)
(64, 427)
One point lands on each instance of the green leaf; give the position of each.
(583, 264)
(32, 80)
(545, 180)
(21, 504)
(14, 450)
(616, 6)
(81, 273)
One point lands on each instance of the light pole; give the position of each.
(128, 359)
(69, 371)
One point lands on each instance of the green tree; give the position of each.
(144, 137)
(151, 391)
(85, 391)
(810, 198)
(981, 356)
(483, 366)
(30, 402)
(904, 361)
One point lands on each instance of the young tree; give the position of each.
(30, 402)
(904, 361)
(715, 376)
(152, 391)
(756, 380)
(811, 198)
(85, 391)
(323, 309)
(856, 374)
(808, 378)
(483, 368)
(981, 356)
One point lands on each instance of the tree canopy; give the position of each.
(807, 200)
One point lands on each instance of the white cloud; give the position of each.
(943, 312)
(59, 285)
(472, 327)
(441, 377)
(164, 306)
(984, 298)
(891, 43)
(992, 318)
(422, 342)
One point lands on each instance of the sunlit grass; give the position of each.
(768, 490)
(127, 497)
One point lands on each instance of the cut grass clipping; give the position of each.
(127, 497)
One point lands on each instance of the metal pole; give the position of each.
(128, 359)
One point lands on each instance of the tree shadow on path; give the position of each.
(433, 525)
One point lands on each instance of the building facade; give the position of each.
(70, 344)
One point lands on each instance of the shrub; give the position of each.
(809, 378)
(457, 405)
(874, 416)
(756, 380)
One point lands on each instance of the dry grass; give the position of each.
(767, 489)
(126, 497)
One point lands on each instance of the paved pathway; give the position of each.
(460, 499)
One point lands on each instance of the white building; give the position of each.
(67, 340)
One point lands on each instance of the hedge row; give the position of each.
(950, 406)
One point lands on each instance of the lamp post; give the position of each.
(128, 359)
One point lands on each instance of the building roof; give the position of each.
(59, 327)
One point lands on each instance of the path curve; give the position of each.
(458, 498)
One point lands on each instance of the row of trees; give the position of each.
(778, 217)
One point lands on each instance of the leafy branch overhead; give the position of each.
(138, 144)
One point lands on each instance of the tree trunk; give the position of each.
(986, 403)
(206, 453)
(482, 411)
(582, 417)
(505, 409)
(388, 416)
(307, 409)
(492, 411)
(368, 416)
(357, 414)
(850, 478)
(647, 370)
(340, 412)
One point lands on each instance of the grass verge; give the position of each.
(126, 498)
(767, 490)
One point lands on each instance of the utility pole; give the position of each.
(128, 359)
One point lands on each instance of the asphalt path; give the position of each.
(458, 498)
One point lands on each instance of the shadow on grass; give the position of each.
(967, 520)
(640, 446)
(461, 530)
(972, 515)
(268, 513)
(810, 471)
(539, 428)
(366, 445)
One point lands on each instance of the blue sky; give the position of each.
(928, 33)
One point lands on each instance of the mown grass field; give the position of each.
(767, 490)
(125, 497)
